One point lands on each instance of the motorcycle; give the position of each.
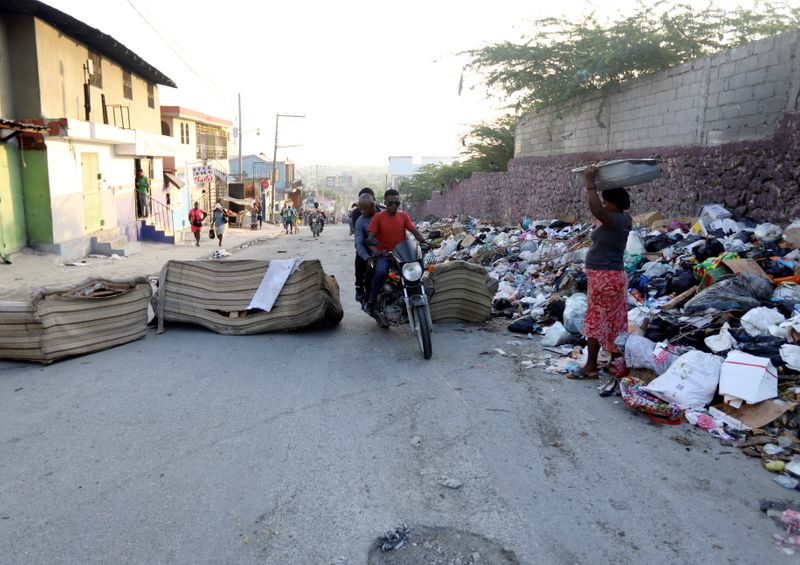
(316, 225)
(403, 299)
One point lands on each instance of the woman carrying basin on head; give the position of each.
(607, 311)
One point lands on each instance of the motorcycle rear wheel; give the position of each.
(423, 330)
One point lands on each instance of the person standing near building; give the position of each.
(142, 193)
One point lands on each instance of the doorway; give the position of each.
(92, 205)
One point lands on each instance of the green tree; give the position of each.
(434, 177)
(490, 146)
(562, 59)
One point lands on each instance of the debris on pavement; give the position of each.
(450, 483)
(394, 539)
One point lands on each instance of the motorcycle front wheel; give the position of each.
(423, 330)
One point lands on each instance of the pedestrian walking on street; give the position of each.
(220, 221)
(607, 312)
(142, 193)
(259, 216)
(288, 220)
(196, 217)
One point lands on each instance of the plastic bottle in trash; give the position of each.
(651, 298)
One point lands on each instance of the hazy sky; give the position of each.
(374, 78)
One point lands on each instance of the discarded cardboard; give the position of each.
(745, 266)
(748, 377)
(646, 220)
(644, 375)
(680, 299)
(664, 224)
(467, 242)
(756, 415)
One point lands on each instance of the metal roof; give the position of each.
(93, 38)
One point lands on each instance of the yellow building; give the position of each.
(100, 103)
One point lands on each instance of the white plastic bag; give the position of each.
(635, 244)
(722, 341)
(791, 356)
(556, 335)
(758, 321)
(768, 233)
(575, 312)
(691, 381)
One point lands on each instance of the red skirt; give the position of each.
(607, 309)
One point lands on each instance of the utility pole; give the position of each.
(273, 174)
(241, 173)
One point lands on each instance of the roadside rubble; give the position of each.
(713, 316)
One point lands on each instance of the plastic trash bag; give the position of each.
(575, 312)
(768, 233)
(723, 341)
(791, 356)
(711, 248)
(739, 292)
(656, 269)
(691, 381)
(635, 244)
(556, 335)
(758, 321)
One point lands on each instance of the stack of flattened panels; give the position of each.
(462, 292)
(20, 332)
(216, 294)
(94, 315)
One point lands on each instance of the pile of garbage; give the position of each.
(713, 322)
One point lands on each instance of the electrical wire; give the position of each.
(172, 44)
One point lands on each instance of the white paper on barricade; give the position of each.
(690, 382)
(277, 274)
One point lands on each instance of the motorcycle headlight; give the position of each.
(412, 271)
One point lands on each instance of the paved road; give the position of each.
(189, 447)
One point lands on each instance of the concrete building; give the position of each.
(199, 170)
(403, 167)
(72, 189)
(256, 169)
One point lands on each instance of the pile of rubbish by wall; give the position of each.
(713, 316)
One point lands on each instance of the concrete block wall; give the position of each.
(736, 95)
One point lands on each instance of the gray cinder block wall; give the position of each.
(726, 126)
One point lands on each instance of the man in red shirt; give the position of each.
(388, 228)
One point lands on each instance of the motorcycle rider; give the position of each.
(388, 228)
(366, 204)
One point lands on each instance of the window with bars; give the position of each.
(96, 78)
(212, 142)
(151, 95)
(127, 85)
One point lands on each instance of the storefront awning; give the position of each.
(172, 179)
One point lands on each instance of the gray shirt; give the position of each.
(608, 244)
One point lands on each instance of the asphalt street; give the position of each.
(304, 447)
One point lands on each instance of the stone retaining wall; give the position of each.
(759, 178)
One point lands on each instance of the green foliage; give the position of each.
(562, 59)
(433, 177)
(489, 147)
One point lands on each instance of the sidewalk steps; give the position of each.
(149, 232)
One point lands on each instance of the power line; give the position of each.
(172, 44)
